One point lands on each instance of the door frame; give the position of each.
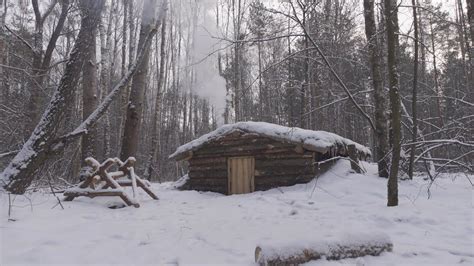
(251, 175)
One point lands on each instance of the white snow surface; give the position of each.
(189, 227)
(319, 140)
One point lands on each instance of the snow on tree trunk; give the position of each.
(20, 172)
(90, 99)
(41, 60)
(131, 135)
(155, 142)
(3, 53)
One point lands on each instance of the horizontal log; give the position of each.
(209, 163)
(93, 193)
(275, 169)
(283, 162)
(207, 182)
(267, 148)
(349, 247)
(264, 187)
(246, 143)
(284, 155)
(261, 155)
(71, 194)
(206, 186)
(287, 180)
(284, 171)
(195, 161)
(208, 167)
(210, 159)
(218, 173)
(256, 153)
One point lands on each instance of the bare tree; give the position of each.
(391, 17)
(21, 171)
(381, 130)
(156, 118)
(106, 65)
(470, 15)
(42, 59)
(131, 135)
(414, 92)
(3, 50)
(90, 97)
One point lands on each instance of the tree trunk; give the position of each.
(381, 130)
(131, 44)
(156, 121)
(470, 16)
(124, 37)
(305, 85)
(42, 60)
(436, 79)
(391, 16)
(90, 98)
(4, 90)
(20, 172)
(238, 93)
(414, 93)
(105, 76)
(36, 82)
(131, 135)
(112, 138)
(263, 116)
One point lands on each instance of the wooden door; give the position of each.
(240, 175)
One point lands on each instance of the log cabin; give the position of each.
(249, 156)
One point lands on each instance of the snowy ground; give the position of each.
(207, 228)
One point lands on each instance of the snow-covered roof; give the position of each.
(320, 141)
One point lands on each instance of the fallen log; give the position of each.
(92, 193)
(349, 246)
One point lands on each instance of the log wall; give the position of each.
(276, 163)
